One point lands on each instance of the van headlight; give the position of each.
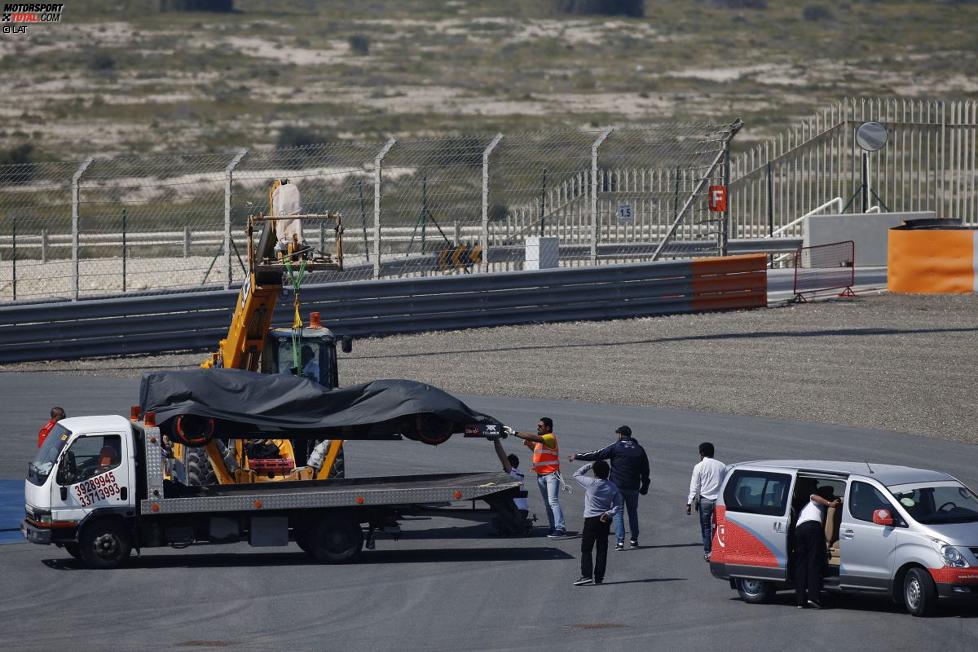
(953, 557)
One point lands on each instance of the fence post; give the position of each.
(594, 192)
(228, 178)
(377, 181)
(485, 199)
(75, 201)
(44, 245)
(124, 250)
(726, 225)
(13, 245)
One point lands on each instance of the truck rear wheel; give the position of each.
(336, 540)
(104, 544)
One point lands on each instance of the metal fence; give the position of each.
(107, 226)
(928, 164)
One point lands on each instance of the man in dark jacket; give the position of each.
(630, 473)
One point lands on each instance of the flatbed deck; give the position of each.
(350, 492)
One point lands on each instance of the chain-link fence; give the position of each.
(448, 205)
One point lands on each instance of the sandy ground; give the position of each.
(899, 363)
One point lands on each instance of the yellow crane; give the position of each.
(252, 344)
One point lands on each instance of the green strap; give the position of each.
(296, 280)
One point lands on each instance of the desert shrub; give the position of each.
(498, 211)
(222, 6)
(296, 147)
(740, 4)
(102, 62)
(633, 8)
(360, 44)
(459, 151)
(816, 12)
(17, 164)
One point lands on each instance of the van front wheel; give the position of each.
(919, 592)
(754, 591)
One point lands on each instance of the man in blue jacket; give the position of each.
(630, 473)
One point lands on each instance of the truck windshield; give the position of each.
(935, 505)
(39, 470)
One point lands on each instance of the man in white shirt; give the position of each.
(810, 547)
(707, 479)
(511, 464)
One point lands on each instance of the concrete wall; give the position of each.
(867, 230)
(542, 253)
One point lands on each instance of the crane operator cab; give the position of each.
(311, 353)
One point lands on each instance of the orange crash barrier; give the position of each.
(932, 261)
(730, 282)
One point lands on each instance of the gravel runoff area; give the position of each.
(898, 363)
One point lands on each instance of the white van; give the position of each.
(911, 534)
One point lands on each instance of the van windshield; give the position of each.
(39, 470)
(935, 505)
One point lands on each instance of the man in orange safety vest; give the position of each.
(546, 463)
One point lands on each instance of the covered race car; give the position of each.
(195, 406)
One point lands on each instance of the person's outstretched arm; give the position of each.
(501, 454)
(581, 477)
(594, 456)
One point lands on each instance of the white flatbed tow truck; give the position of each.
(98, 488)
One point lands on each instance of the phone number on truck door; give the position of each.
(101, 487)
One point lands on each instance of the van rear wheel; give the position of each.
(754, 591)
(919, 592)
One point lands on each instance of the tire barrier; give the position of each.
(932, 261)
(197, 321)
(733, 282)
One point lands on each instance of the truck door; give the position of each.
(93, 473)
(865, 548)
(751, 539)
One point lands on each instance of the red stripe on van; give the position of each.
(733, 544)
(954, 575)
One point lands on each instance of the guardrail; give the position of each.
(197, 321)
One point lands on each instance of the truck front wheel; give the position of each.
(336, 540)
(104, 544)
(73, 549)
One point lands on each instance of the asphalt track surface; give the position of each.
(446, 585)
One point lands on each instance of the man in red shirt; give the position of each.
(57, 414)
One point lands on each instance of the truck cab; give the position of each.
(84, 470)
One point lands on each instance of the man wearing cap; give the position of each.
(630, 473)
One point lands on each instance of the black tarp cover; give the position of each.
(280, 403)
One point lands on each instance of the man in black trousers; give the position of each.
(630, 473)
(810, 547)
(601, 502)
